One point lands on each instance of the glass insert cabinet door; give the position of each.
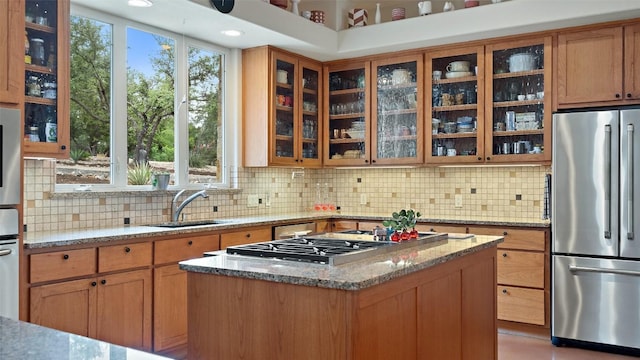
(455, 98)
(284, 124)
(311, 114)
(397, 111)
(348, 123)
(519, 80)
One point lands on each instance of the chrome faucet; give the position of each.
(177, 209)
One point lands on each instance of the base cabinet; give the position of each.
(114, 308)
(170, 295)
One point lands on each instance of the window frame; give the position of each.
(118, 128)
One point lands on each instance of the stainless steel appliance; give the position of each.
(10, 156)
(596, 229)
(328, 248)
(9, 259)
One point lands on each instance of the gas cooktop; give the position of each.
(328, 248)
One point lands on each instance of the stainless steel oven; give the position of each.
(9, 260)
(10, 157)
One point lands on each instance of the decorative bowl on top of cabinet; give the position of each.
(282, 125)
(46, 101)
(518, 112)
(455, 100)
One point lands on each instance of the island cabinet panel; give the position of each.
(237, 318)
(446, 311)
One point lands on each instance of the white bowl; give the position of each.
(457, 74)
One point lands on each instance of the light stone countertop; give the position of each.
(22, 340)
(41, 240)
(350, 276)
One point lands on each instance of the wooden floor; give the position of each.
(519, 347)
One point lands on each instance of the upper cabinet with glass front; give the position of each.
(46, 101)
(282, 127)
(11, 59)
(348, 123)
(518, 114)
(397, 111)
(455, 101)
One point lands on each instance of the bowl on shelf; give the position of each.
(450, 127)
(457, 74)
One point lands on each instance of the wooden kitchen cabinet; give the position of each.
(397, 111)
(170, 288)
(598, 66)
(348, 117)
(46, 100)
(11, 53)
(115, 308)
(282, 109)
(518, 104)
(246, 236)
(523, 279)
(454, 109)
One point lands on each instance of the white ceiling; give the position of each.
(266, 24)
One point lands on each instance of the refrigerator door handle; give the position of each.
(630, 181)
(607, 181)
(574, 268)
(4, 252)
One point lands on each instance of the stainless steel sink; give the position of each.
(180, 224)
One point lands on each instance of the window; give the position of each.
(143, 101)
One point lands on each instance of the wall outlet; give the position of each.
(253, 201)
(457, 201)
(363, 199)
(267, 200)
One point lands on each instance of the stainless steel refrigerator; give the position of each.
(595, 299)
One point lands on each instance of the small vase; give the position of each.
(395, 237)
(405, 235)
(378, 15)
(413, 234)
(294, 7)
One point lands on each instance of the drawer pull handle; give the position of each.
(127, 249)
(432, 230)
(504, 291)
(94, 283)
(504, 254)
(504, 233)
(65, 256)
(103, 281)
(248, 235)
(190, 242)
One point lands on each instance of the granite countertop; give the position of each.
(351, 276)
(22, 340)
(40, 240)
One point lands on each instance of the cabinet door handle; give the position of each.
(190, 242)
(103, 281)
(479, 158)
(629, 95)
(504, 233)
(373, 161)
(504, 291)
(617, 96)
(488, 157)
(366, 161)
(432, 230)
(127, 249)
(65, 256)
(63, 147)
(248, 235)
(504, 254)
(93, 283)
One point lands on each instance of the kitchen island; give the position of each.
(435, 301)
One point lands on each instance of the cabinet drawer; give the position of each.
(520, 268)
(521, 239)
(62, 264)
(175, 250)
(521, 305)
(245, 237)
(441, 228)
(120, 257)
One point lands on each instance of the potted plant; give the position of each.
(400, 222)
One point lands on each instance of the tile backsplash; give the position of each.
(482, 193)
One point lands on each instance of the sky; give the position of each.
(141, 46)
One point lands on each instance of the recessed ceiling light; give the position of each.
(232, 32)
(140, 3)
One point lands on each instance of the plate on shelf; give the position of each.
(457, 74)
